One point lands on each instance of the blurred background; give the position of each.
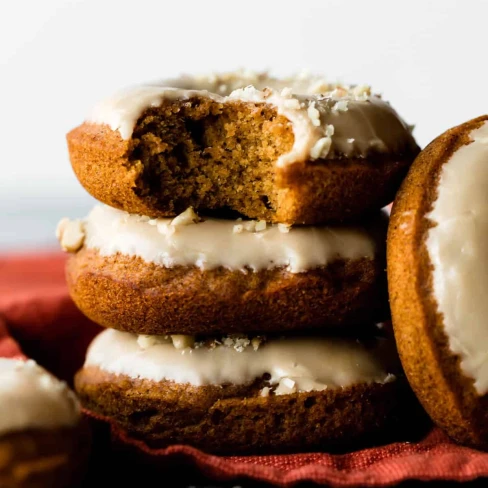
(59, 57)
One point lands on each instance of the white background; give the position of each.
(57, 58)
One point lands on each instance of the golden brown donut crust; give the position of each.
(52, 458)
(128, 294)
(232, 419)
(431, 368)
(117, 172)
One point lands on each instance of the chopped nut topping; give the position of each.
(249, 225)
(236, 341)
(254, 84)
(340, 106)
(390, 378)
(143, 218)
(314, 114)
(239, 343)
(183, 341)
(320, 86)
(70, 234)
(292, 103)
(62, 224)
(288, 382)
(260, 225)
(286, 92)
(209, 343)
(284, 228)
(256, 342)
(146, 341)
(186, 218)
(265, 391)
(286, 386)
(321, 148)
(361, 92)
(338, 92)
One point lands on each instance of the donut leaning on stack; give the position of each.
(437, 275)
(238, 261)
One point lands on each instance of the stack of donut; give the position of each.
(237, 261)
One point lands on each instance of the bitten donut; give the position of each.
(203, 276)
(438, 276)
(241, 394)
(292, 151)
(43, 441)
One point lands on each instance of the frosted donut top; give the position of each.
(31, 398)
(457, 246)
(294, 364)
(232, 244)
(329, 119)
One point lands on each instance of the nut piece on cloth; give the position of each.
(438, 276)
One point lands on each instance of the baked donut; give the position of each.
(241, 394)
(438, 273)
(43, 440)
(296, 150)
(185, 276)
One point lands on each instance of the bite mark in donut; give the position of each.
(290, 151)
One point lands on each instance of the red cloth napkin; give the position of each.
(40, 320)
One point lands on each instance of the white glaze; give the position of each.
(363, 123)
(31, 398)
(294, 364)
(214, 242)
(458, 249)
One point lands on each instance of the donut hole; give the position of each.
(210, 155)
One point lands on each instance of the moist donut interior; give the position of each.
(210, 155)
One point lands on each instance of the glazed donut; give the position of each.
(238, 395)
(295, 150)
(43, 441)
(193, 276)
(438, 273)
